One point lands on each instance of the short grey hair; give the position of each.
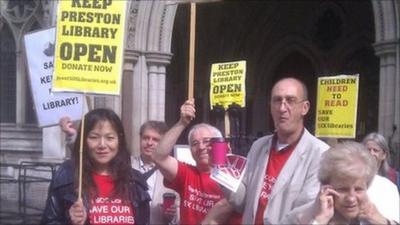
(342, 159)
(383, 144)
(213, 130)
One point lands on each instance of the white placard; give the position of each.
(49, 106)
(231, 174)
(182, 153)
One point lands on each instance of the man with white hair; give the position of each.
(198, 192)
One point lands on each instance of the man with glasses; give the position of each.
(282, 168)
(198, 192)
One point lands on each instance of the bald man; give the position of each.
(282, 168)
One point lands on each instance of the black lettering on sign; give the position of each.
(228, 66)
(48, 65)
(60, 103)
(46, 79)
(336, 103)
(86, 31)
(93, 53)
(95, 4)
(219, 89)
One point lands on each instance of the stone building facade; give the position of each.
(311, 38)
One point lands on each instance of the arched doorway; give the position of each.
(307, 39)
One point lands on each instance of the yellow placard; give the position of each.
(337, 100)
(89, 46)
(228, 84)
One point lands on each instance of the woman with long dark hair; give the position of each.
(112, 192)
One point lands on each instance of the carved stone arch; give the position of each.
(167, 24)
(151, 23)
(387, 19)
(5, 23)
(20, 16)
(141, 24)
(291, 44)
(155, 23)
(132, 14)
(27, 27)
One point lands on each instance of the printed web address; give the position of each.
(82, 79)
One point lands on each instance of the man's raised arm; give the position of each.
(167, 164)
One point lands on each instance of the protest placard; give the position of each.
(89, 46)
(336, 112)
(231, 174)
(183, 153)
(228, 84)
(49, 107)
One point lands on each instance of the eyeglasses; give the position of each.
(289, 101)
(204, 141)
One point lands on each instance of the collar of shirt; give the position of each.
(279, 146)
(145, 167)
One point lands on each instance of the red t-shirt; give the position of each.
(198, 193)
(106, 210)
(276, 161)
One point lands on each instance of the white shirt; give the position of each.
(383, 193)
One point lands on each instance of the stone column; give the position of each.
(135, 99)
(387, 48)
(156, 63)
(389, 97)
(386, 52)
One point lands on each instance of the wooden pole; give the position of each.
(81, 152)
(227, 124)
(192, 42)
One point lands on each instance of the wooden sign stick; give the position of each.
(227, 124)
(192, 42)
(81, 152)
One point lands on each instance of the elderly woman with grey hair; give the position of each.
(379, 149)
(346, 172)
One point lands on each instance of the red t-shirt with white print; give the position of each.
(106, 210)
(198, 193)
(276, 161)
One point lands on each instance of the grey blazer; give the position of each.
(296, 185)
